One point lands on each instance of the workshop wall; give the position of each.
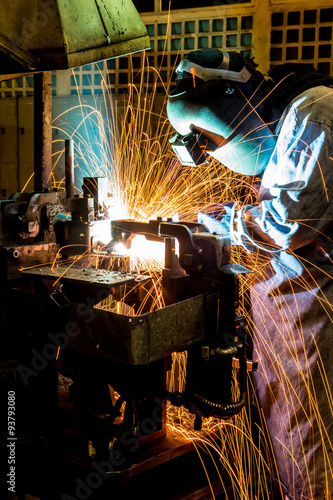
(16, 144)
(269, 30)
(17, 137)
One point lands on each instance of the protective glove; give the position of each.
(219, 220)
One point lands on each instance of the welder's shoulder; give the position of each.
(315, 105)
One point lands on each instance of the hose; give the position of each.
(225, 410)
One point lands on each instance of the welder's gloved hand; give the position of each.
(217, 218)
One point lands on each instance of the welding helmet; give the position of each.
(217, 109)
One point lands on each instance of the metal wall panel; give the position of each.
(26, 143)
(8, 147)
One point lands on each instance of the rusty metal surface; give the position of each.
(84, 275)
(27, 215)
(140, 339)
(16, 257)
(58, 34)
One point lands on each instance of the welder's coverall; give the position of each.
(292, 296)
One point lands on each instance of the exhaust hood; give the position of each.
(44, 35)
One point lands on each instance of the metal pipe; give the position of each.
(43, 131)
(69, 167)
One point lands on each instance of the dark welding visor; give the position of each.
(227, 112)
(190, 148)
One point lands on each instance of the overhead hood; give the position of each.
(44, 35)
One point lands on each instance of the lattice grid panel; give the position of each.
(170, 41)
(303, 36)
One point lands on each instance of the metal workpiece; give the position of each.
(154, 229)
(16, 258)
(199, 249)
(124, 230)
(77, 237)
(72, 284)
(141, 339)
(92, 276)
(57, 34)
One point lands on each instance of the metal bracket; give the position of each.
(60, 294)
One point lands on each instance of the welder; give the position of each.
(276, 128)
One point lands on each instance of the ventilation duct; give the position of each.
(44, 35)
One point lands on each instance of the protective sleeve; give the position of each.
(299, 178)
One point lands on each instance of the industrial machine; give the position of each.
(92, 321)
(84, 352)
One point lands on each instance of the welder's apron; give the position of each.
(293, 342)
